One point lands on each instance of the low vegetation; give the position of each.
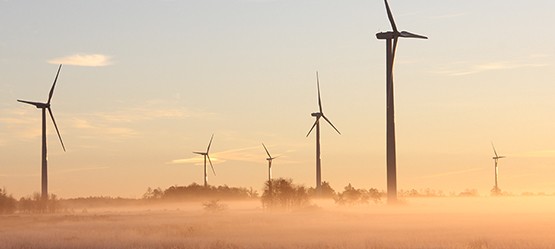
(8, 204)
(353, 196)
(283, 194)
(199, 192)
(214, 206)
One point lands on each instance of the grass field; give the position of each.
(508, 222)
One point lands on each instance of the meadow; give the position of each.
(464, 222)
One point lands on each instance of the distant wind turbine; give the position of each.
(270, 159)
(44, 107)
(205, 154)
(496, 189)
(392, 37)
(316, 124)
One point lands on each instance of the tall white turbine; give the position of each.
(496, 190)
(316, 124)
(44, 107)
(391, 38)
(270, 159)
(206, 155)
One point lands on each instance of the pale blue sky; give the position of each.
(177, 71)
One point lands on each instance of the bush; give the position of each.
(199, 192)
(35, 204)
(7, 203)
(326, 191)
(352, 196)
(282, 193)
(214, 206)
(469, 193)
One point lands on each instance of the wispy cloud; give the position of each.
(488, 66)
(117, 124)
(247, 154)
(456, 172)
(84, 60)
(102, 128)
(198, 160)
(446, 16)
(21, 122)
(81, 169)
(536, 154)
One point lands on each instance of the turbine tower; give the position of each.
(391, 38)
(270, 159)
(205, 155)
(316, 124)
(496, 158)
(44, 107)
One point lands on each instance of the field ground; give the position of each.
(473, 223)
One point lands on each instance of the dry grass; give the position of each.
(469, 223)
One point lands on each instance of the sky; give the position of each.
(145, 83)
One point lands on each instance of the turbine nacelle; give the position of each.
(317, 114)
(270, 158)
(393, 35)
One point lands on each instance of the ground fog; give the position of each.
(479, 222)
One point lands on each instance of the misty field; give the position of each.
(481, 222)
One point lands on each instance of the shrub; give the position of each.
(199, 192)
(35, 204)
(282, 193)
(352, 196)
(326, 191)
(214, 206)
(7, 203)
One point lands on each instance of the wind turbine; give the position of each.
(44, 107)
(496, 189)
(316, 124)
(205, 154)
(270, 159)
(391, 38)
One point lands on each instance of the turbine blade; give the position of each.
(210, 161)
(329, 122)
(54, 85)
(37, 104)
(395, 40)
(494, 151)
(200, 153)
(314, 125)
(56, 126)
(390, 16)
(208, 149)
(411, 35)
(266, 150)
(318, 85)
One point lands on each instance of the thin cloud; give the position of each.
(102, 128)
(198, 160)
(446, 16)
(81, 169)
(242, 154)
(457, 172)
(489, 66)
(84, 60)
(536, 154)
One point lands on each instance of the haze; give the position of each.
(145, 83)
